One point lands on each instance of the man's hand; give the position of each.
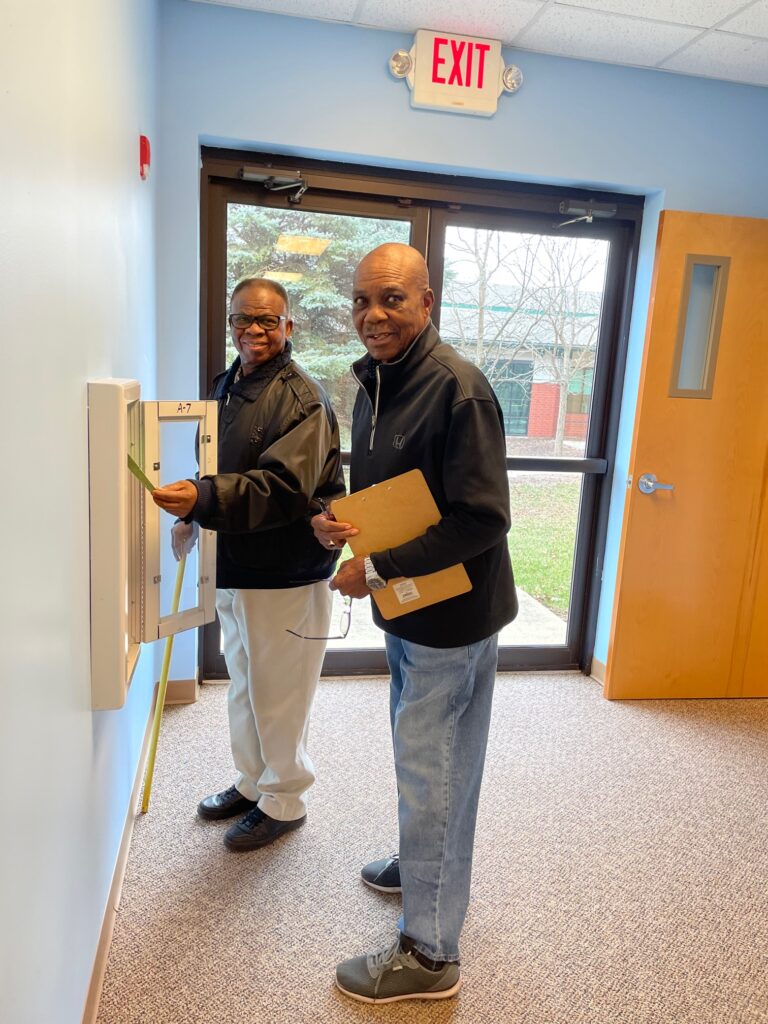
(330, 533)
(179, 499)
(183, 539)
(350, 579)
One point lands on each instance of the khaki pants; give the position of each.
(273, 679)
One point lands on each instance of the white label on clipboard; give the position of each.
(406, 591)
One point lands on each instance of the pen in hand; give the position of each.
(334, 537)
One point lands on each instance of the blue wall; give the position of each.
(239, 78)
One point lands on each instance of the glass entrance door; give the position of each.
(312, 252)
(525, 302)
(539, 299)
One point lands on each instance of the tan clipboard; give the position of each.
(389, 514)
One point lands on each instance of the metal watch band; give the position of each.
(372, 579)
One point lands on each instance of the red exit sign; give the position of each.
(458, 73)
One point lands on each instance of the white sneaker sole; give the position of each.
(382, 888)
(446, 993)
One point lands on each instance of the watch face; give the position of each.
(372, 579)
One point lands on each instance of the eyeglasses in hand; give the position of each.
(344, 624)
(267, 322)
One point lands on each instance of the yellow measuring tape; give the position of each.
(161, 689)
(144, 480)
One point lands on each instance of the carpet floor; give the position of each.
(621, 869)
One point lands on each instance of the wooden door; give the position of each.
(690, 615)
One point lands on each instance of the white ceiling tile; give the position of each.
(752, 22)
(328, 10)
(593, 35)
(618, 32)
(701, 13)
(723, 55)
(493, 19)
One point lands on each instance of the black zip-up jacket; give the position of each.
(434, 410)
(278, 454)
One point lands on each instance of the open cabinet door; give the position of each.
(690, 615)
(166, 458)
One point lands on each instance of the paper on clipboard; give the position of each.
(391, 513)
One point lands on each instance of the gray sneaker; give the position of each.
(383, 875)
(393, 975)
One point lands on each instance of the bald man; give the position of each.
(422, 406)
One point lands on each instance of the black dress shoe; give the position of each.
(224, 805)
(258, 829)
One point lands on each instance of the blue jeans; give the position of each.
(440, 709)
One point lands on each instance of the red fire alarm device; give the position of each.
(145, 157)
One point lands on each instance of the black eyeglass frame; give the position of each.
(257, 320)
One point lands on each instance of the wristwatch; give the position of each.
(372, 579)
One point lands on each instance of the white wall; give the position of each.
(76, 301)
(287, 85)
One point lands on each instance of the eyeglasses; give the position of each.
(267, 322)
(344, 624)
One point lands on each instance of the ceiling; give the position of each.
(726, 39)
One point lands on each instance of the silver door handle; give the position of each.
(648, 484)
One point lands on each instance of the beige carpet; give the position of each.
(621, 872)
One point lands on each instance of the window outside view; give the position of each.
(524, 307)
(526, 310)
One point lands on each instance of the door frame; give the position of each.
(431, 202)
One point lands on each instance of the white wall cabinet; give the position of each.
(132, 567)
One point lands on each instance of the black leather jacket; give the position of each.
(435, 411)
(278, 454)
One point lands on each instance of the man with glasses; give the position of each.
(279, 462)
(420, 405)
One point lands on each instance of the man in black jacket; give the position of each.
(420, 405)
(279, 460)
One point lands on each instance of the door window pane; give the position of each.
(526, 309)
(313, 256)
(544, 510)
(699, 333)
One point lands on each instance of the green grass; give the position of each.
(544, 515)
